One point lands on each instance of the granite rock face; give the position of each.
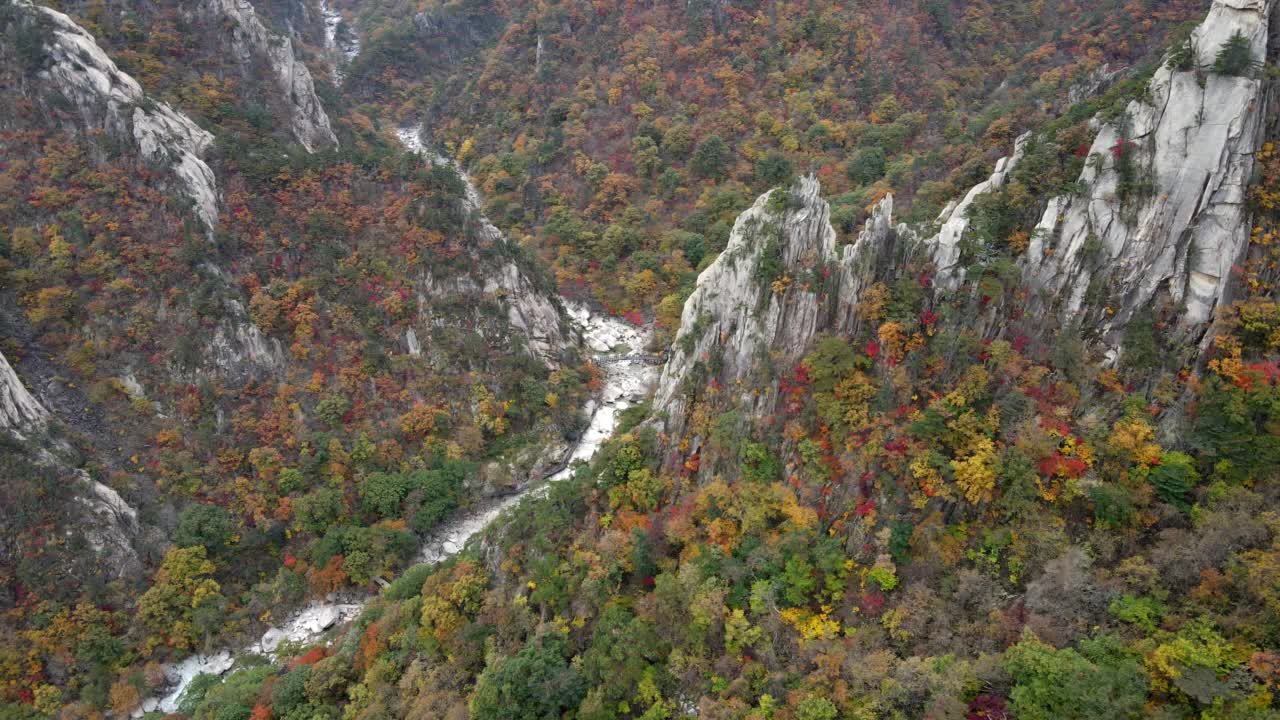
(108, 523)
(239, 347)
(954, 220)
(111, 528)
(250, 42)
(782, 280)
(530, 309)
(107, 99)
(1192, 143)
(20, 412)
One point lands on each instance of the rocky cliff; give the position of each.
(954, 221)
(20, 412)
(1188, 147)
(782, 279)
(75, 72)
(108, 523)
(260, 52)
(76, 69)
(1160, 214)
(530, 308)
(111, 528)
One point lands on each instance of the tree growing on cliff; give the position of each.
(774, 169)
(1235, 57)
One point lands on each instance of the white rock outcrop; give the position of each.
(108, 99)
(19, 411)
(238, 346)
(954, 220)
(247, 39)
(530, 310)
(1193, 139)
(110, 527)
(742, 316)
(1194, 136)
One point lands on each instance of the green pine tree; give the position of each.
(1235, 57)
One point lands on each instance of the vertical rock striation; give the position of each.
(106, 99)
(1190, 144)
(530, 310)
(1184, 154)
(19, 411)
(954, 220)
(248, 40)
(782, 279)
(111, 528)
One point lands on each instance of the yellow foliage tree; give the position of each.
(1132, 438)
(976, 474)
(183, 591)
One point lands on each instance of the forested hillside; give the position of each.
(625, 137)
(291, 362)
(957, 323)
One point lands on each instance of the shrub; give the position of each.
(382, 493)
(884, 577)
(409, 584)
(1097, 681)
(1144, 612)
(290, 691)
(1141, 351)
(816, 708)
(207, 525)
(1112, 505)
(319, 509)
(1183, 57)
(331, 409)
(867, 166)
(769, 266)
(535, 683)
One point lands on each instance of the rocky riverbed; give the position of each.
(617, 347)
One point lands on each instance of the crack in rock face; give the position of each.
(108, 523)
(954, 219)
(110, 100)
(747, 304)
(530, 311)
(1195, 138)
